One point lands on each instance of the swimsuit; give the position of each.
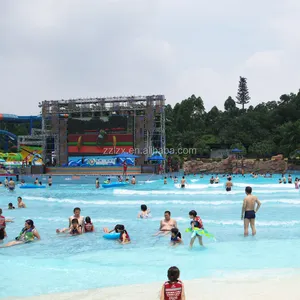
(175, 239)
(173, 291)
(183, 185)
(88, 227)
(228, 189)
(250, 214)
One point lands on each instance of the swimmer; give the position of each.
(133, 180)
(249, 211)
(217, 179)
(3, 234)
(120, 178)
(88, 225)
(21, 204)
(196, 223)
(74, 229)
(127, 179)
(283, 179)
(11, 184)
(183, 182)
(296, 183)
(166, 224)
(10, 206)
(165, 180)
(175, 179)
(279, 181)
(173, 289)
(1, 184)
(50, 181)
(175, 237)
(27, 234)
(118, 228)
(77, 216)
(144, 213)
(124, 237)
(290, 179)
(40, 183)
(36, 181)
(212, 180)
(6, 182)
(97, 183)
(228, 184)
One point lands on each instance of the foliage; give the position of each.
(243, 93)
(266, 129)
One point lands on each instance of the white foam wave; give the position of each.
(60, 219)
(259, 223)
(271, 185)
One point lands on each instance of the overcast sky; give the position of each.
(60, 49)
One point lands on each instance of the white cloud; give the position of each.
(62, 49)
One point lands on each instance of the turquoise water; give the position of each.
(63, 263)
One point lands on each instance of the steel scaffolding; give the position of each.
(146, 122)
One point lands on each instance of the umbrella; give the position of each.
(156, 157)
(125, 155)
(236, 150)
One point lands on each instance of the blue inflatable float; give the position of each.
(113, 184)
(112, 236)
(32, 186)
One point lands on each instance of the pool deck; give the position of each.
(254, 287)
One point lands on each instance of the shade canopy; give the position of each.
(236, 150)
(156, 157)
(126, 155)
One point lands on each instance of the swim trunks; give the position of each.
(1, 234)
(11, 188)
(228, 189)
(183, 186)
(250, 214)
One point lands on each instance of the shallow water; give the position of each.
(63, 263)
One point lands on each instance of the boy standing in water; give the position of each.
(249, 211)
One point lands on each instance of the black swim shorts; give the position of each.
(1, 234)
(228, 189)
(250, 214)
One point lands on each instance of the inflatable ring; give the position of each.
(32, 186)
(198, 231)
(114, 184)
(112, 236)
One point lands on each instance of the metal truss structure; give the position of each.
(146, 122)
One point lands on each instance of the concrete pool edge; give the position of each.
(256, 284)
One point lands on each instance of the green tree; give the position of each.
(243, 93)
(229, 104)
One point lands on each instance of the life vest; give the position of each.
(26, 235)
(173, 290)
(197, 222)
(88, 227)
(2, 222)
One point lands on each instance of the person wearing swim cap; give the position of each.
(27, 234)
(173, 289)
(250, 207)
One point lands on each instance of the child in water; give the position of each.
(74, 229)
(175, 237)
(144, 213)
(88, 225)
(119, 228)
(196, 224)
(173, 289)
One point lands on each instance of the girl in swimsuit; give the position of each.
(74, 229)
(144, 213)
(175, 237)
(88, 225)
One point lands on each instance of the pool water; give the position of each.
(61, 263)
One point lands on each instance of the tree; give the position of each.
(229, 104)
(243, 93)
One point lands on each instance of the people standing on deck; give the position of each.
(166, 224)
(11, 184)
(229, 184)
(21, 204)
(173, 289)
(97, 183)
(50, 181)
(249, 209)
(124, 168)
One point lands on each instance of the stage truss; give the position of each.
(147, 123)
